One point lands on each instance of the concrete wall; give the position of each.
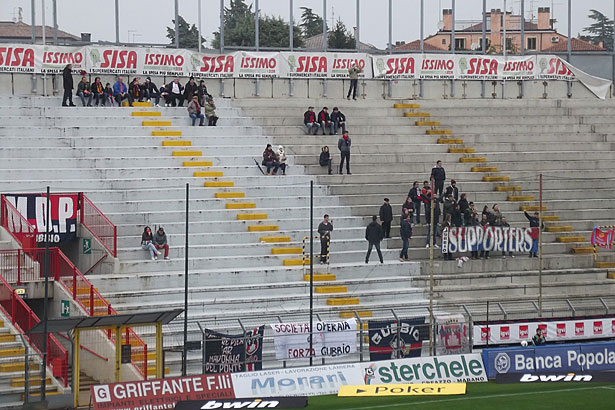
(21, 84)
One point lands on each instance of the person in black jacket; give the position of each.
(464, 208)
(309, 119)
(405, 233)
(67, 79)
(433, 225)
(324, 230)
(535, 234)
(438, 176)
(343, 144)
(189, 90)
(325, 158)
(338, 119)
(415, 195)
(373, 235)
(452, 190)
(386, 216)
(151, 91)
(324, 120)
(505, 224)
(202, 92)
(407, 208)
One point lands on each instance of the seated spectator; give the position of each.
(98, 90)
(202, 93)
(338, 119)
(147, 243)
(194, 111)
(270, 160)
(325, 158)
(164, 94)
(189, 91)
(175, 93)
(282, 158)
(108, 95)
(160, 242)
(150, 91)
(309, 119)
(210, 112)
(135, 90)
(120, 92)
(83, 92)
(324, 120)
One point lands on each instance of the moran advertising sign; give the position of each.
(491, 238)
(553, 358)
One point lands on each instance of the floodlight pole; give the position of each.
(185, 356)
(46, 299)
(176, 23)
(199, 28)
(431, 256)
(540, 245)
(311, 271)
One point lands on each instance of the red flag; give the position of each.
(603, 239)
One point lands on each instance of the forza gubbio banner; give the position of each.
(491, 238)
(330, 339)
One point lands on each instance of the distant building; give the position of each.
(539, 35)
(20, 32)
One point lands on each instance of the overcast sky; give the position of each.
(146, 20)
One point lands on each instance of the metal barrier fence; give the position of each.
(98, 224)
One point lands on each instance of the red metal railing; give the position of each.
(98, 224)
(17, 266)
(18, 226)
(24, 318)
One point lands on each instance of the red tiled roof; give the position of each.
(577, 45)
(416, 46)
(9, 29)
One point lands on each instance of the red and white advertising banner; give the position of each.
(323, 65)
(212, 65)
(256, 65)
(438, 66)
(161, 394)
(115, 60)
(556, 330)
(398, 66)
(164, 61)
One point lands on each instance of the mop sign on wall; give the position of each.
(491, 238)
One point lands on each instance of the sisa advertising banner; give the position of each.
(323, 65)
(556, 330)
(330, 339)
(63, 215)
(161, 394)
(233, 353)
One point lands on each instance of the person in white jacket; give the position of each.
(282, 158)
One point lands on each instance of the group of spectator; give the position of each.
(153, 243)
(324, 121)
(274, 160)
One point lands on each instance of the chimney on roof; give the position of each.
(447, 19)
(544, 18)
(496, 20)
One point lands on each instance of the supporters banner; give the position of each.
(323, 65)
(63, 214)
(491, 238)
(557, 330)
(330, 339)
(387, 341)
(233, 353)
(603, 238)
(161, 393)
(452, 335)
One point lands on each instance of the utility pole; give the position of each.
(431, 227)
(540, 245)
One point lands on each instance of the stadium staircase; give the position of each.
(495, 150)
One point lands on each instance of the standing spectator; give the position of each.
(490, 216)
(353, 73)
(343, 144)
(210, 112)
(160, 242)
(432, 227)
(456, 216)
(415, 196)
(324, 230)
(407, 208)
(438, 176)
(270, 160)
(108, 95)
(386, 217)
(447, 224)
(136, 89)
(120, 92)
(175, 93)
(281, 153)
(202, 92)
(190, 90)
(464, 207)
(98, 92)
(67, 79)
(452, 190)
(83, 92)
(150, 91)
(497, 215)
(338, 119)
(325, 158)
(194, 111)
(147, 243)
(484, 223)
(426, 198)
(472, 215)
(405, 233)
(373, 235)
(449, 205)
(324, 120)
(505, 224)
(309, 119)
(535, 233)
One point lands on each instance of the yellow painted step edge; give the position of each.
(286, 251)
(263, 228)
(230, 195)
(251, 217)
(176, 143)
(187, 153)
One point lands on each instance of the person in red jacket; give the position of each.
(310, 121)
(324, 120)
